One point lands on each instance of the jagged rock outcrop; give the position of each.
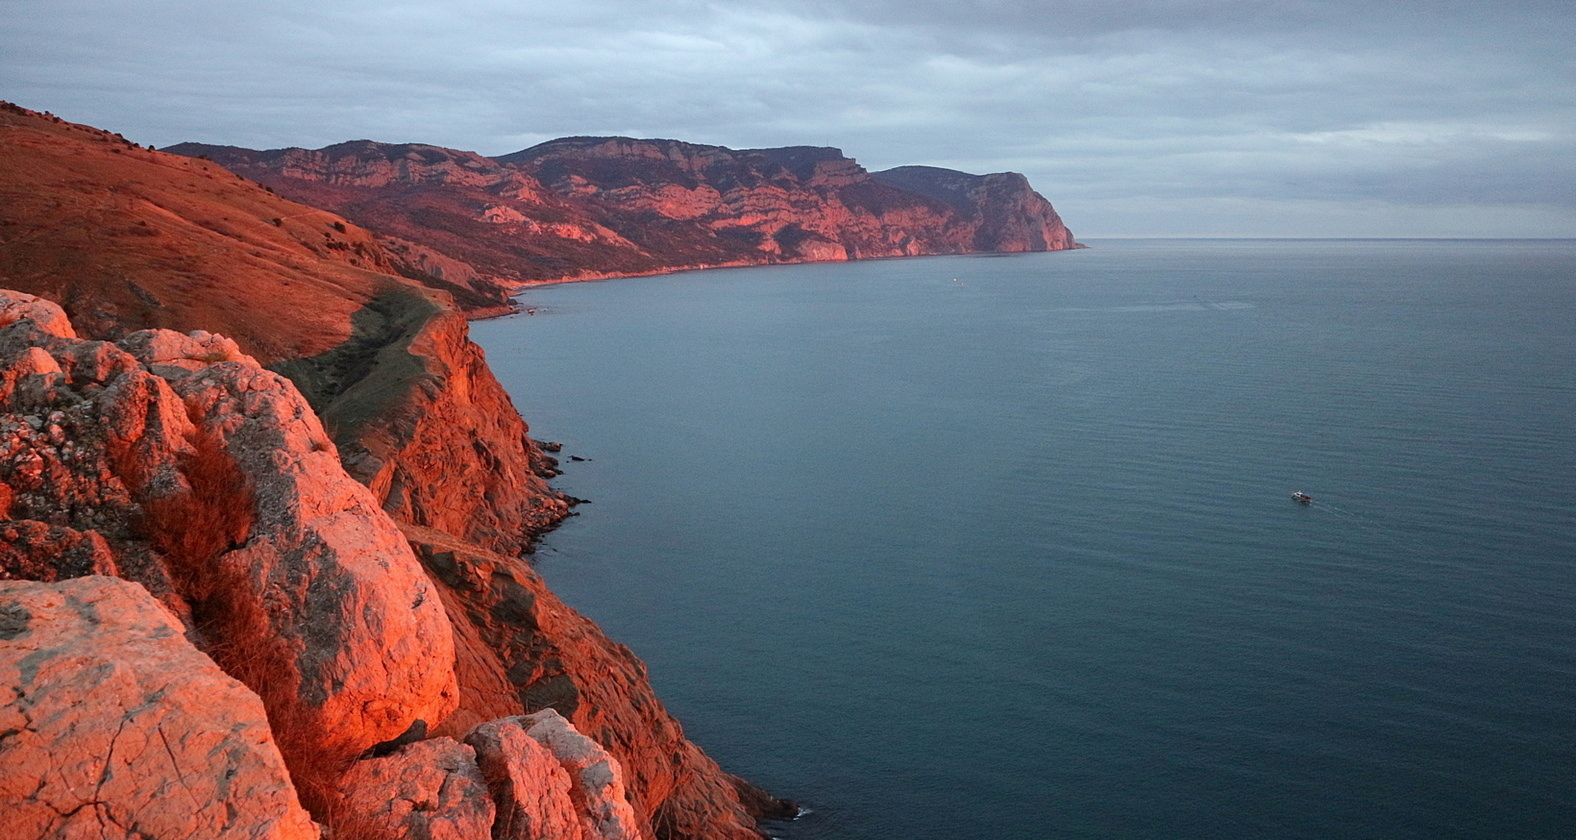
(596, 779)
(209, 480)
(427, 790)
(531, 788)
(114, 726)
(601, 206)
(1007, 214)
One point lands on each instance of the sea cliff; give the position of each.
(395, 610)
(585, 207)
(257, 480)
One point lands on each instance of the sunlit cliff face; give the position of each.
(588, 207)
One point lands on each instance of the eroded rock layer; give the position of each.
(602, 206)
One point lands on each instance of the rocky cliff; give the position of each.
(179, 462)
(601, 206)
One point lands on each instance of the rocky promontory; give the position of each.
(582, 207)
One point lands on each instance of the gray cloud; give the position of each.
(1134, 116)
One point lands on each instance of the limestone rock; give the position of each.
(598, 778)
(114, 726)
(185, 466)
(532, 790)
(15, 306)
(428, 790)
(169, 353)
(324, 571)
(31, 550)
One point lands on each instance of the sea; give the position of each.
(1005, 546)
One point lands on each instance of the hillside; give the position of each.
(583, 207)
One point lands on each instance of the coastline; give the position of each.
(526, 285)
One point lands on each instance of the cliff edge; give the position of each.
(184, 462)
(583, 207)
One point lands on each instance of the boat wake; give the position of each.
(1396, 537)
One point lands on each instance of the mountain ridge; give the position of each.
(587, 207)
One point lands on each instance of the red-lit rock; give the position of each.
(362, 640)
(598, 780)
(215, 486)
(428, 790)
(583, 207)
(531, 788)
(451, 452)
(16, 306)
(114, 726)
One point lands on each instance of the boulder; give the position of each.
(428, 790)
(532, 790)
(114, 726)
(180, 463)
(16, 306)
(596, 781)
(362, 639)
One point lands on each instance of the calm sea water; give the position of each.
(1004, 546)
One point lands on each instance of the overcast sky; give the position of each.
(1135, 117)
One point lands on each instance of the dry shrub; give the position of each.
(194, 528)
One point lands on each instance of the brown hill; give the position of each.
(125, 237)
(584, 207)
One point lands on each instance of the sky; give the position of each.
(1388, 118)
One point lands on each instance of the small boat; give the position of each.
(1301, 498)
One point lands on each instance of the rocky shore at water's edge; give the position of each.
(265, 504)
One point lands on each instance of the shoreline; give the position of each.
(520, 287)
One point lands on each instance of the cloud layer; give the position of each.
(1136, 117)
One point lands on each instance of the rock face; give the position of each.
(597, 781)
(428, 790)
(532, 789)
(422, 421)
(1007, 214)
(601, 206)
(174, 461)
(182, 464)
(116, 727)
